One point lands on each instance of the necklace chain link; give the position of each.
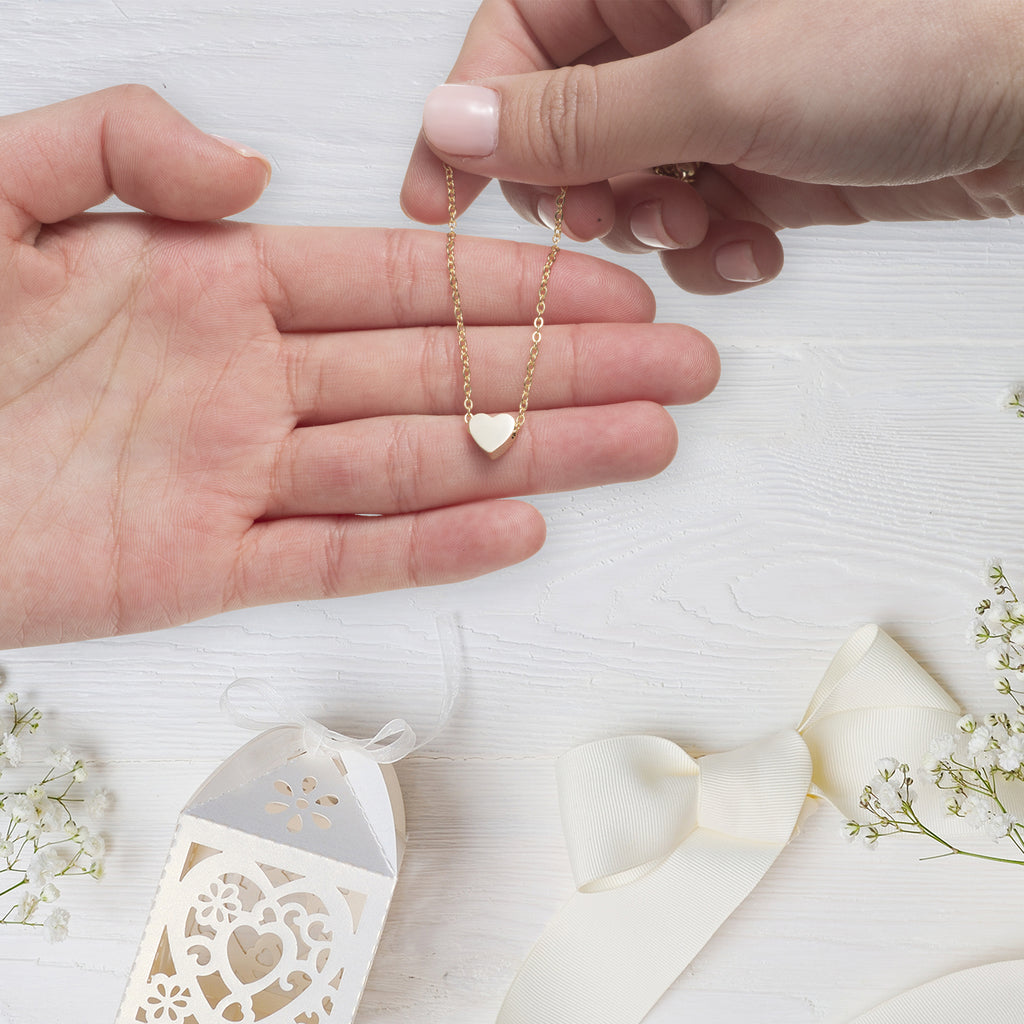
(538, 322)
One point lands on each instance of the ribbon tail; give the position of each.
(991, 993)
(609, 956)
(612, 951)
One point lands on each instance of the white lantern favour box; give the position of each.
(276, 888)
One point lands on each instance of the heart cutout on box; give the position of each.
(253, 954)
(493, 434)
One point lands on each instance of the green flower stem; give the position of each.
(951, 850)
(17, 885)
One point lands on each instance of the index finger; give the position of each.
(340, 279)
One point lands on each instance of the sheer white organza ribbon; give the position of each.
(664, 847)
(256, 704)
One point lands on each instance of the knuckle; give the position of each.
(280, 475)
(401, 462)
(400, 257)
(332, 563)
(558, 127)
(418, 571)
(440, 371)
(134, 94)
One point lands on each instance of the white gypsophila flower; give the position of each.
(994, 616)
(49, 893)
(36, 793)
(44, 867)
(977, 810)
(11, 698)
(1011, 752)
(25, 907)
(980, 740)
(986, 760)
(977, 632)
(887, 767)
(967, 723)
(20, 808)
(1011, 398)
(56, 925)
(6, 848)
(60, 759)
(97, 869)
(10, 748)
(1009, 760)
(942, 747)
(80, 773)
(50, 814)
(1017, 635)
(998, 825)
(887, 796)
(94, 846)
(998, 657)
(97, 803)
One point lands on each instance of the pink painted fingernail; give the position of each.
(462, 120)
(648, 228)
(735, 262)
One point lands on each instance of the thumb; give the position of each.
(586, 123)
(61, 160)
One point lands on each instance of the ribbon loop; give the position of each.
(255, 704)
(626, 803)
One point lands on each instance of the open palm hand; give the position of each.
(201, 415)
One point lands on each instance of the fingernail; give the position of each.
(546, 215)
(648, 228)
(462, 120)
(735, 262)
(247, 151)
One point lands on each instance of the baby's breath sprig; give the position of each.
(976, 764)
(1000, 624)
(1014, 401)
(41, 842)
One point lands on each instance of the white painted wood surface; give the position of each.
(852, 466)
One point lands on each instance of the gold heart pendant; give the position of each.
(494, 434)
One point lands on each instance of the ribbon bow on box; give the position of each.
(664, 847)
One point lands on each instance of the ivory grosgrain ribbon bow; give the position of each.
(664, 847)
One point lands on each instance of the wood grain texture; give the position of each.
(853, 466)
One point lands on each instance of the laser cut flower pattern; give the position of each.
(167, 1001)
(302, 803)
(221, 903)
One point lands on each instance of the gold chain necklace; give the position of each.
(495, 434)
